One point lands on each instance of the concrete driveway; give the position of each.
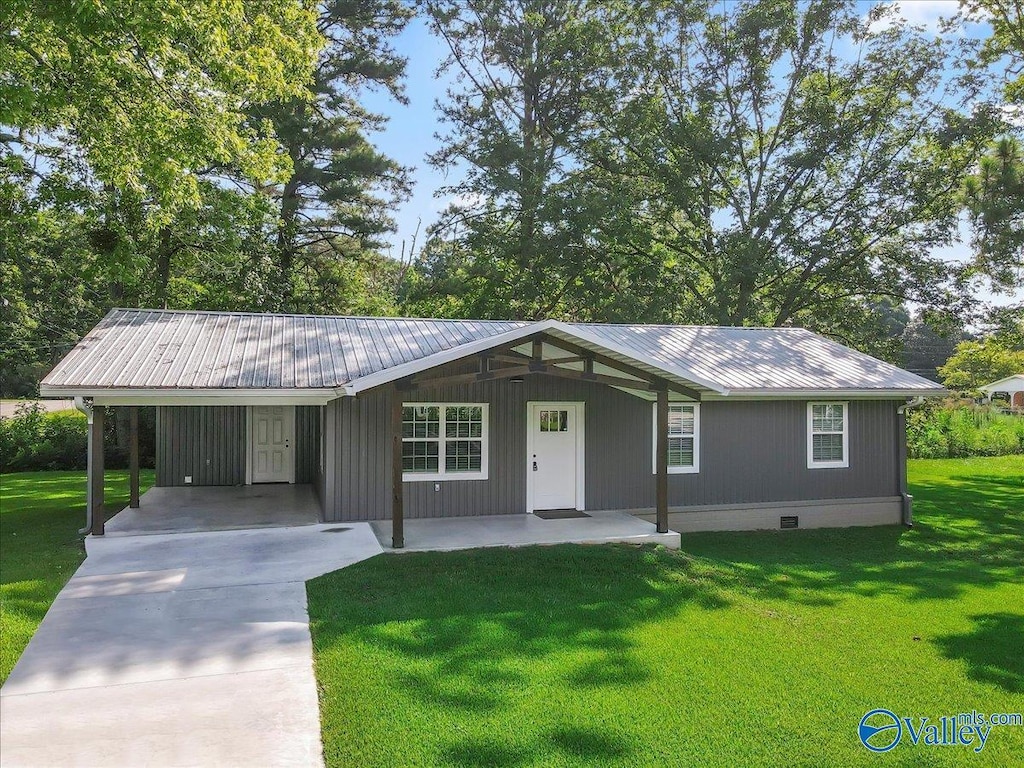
(181, 649)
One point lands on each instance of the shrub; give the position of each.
(956, 429)
(36, 440)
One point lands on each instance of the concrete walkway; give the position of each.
(174, 650)
(441, 534)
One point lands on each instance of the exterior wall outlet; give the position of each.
(437, 487)
(188, 479)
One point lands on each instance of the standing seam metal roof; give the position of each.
(155, 349)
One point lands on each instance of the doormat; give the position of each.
(559, 514)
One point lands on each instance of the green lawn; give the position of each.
(744, 648)
(40, 514)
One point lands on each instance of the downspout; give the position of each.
(86, 407)
(907, 506)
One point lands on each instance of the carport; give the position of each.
(199, 509)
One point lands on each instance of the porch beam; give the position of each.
(133, 456)
(661, 477)
(397, 491)
(632, 370)
(95, 471)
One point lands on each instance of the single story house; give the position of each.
(1012, 388)
(696, 428)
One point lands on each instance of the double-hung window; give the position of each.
(828, 435)
(683, 438)
(444, 441)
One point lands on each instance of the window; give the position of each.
(683, 438)
(442, 441)
(827, 435)
(554, 421)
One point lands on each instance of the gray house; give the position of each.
(694, 428)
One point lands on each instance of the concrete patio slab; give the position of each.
(185, 649)
(444, 534)
(217, 508)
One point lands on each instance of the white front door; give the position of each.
(273, 433)
(555, 453)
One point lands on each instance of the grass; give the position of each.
(40, 547)
(744, 648)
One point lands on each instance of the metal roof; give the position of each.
(133, 349)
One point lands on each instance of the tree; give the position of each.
(770, 179)
(149, 93)
(995, 199)
(926, 347)
(1006, 44)
(336, 198)
(975, 363)
(522, 70)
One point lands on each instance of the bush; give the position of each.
(35, 440)
(955, 429)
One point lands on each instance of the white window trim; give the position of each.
(845, 463)
(441, 474)
(696, 441)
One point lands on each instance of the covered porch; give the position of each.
(216, 508)
(443, 534)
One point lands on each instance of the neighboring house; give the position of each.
(695, 428)
(1012, 388)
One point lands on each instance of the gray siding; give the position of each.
(209, 443)
(307, 444)
(749, 452)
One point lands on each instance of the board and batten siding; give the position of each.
(209, 443)
(750, 452)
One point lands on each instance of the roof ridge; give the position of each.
(224, 312)
(307, 315)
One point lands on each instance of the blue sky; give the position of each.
(411, 132)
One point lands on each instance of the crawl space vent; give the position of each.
(789, 521)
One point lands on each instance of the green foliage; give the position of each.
(1006, 44)
(335, 202)
(515, 242)
(701, 162)
(954, 430)
(995, 199)
(36, 440)
(151, 92)
(185, 212)
(976, 363)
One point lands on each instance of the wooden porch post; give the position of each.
(397, 507)
(133, 456)
(661, 483)
(96, 471)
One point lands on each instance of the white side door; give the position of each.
(272, 438)
(555, 455)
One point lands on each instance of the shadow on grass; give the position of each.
(970, 532)
(568, 742)
(992, 651)
(467, 624)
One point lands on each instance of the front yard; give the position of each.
(743, 648)
(752, 648)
